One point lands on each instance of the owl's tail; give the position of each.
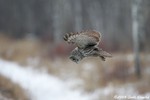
(104, 54)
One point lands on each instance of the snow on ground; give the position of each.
(39, 85)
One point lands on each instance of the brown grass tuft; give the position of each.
(11, 90)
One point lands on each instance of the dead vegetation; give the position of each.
(10, 90)
(94, 73)
(18, 50)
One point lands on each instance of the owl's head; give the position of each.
(76, 56)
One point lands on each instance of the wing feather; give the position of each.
(83, 38)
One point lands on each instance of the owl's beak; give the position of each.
(77, 62)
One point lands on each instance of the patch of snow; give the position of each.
(110, 89)
(74, 82)
(39, 85)
(88, 66)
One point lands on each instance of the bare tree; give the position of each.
(135, 31)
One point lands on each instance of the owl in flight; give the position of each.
(87, 45)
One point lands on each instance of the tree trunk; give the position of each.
(135, 32)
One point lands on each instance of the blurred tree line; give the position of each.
(50, 19)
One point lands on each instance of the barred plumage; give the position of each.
(87, 45)
(84, 38)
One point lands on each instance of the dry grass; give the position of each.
(19, 50)
(11, 90)
(95, 74)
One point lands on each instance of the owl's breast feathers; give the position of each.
(83, 38)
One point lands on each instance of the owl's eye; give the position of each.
(72, 58)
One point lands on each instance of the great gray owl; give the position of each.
(87, 45)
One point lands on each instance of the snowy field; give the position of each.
(39, 85)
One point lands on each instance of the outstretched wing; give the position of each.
(83, 39)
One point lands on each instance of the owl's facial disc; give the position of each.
(74, 59)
